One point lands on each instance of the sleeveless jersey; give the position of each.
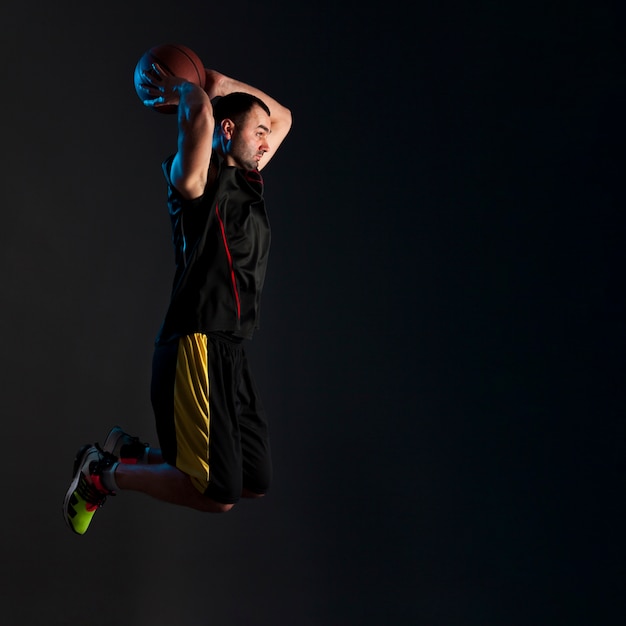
(221, 244)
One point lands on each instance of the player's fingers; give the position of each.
(151, 102)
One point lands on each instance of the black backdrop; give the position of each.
(442, 345)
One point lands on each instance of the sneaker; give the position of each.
(126, 448)
(86, 493)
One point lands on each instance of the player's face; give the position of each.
(249, 140)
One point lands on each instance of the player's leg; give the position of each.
(192, 397)
(186, 423)
(193, 408)
(166, 483)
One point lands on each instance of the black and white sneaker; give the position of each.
(86, 493)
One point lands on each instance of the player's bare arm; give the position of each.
(195, 141)
(195, 127)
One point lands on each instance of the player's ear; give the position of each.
(227, 126)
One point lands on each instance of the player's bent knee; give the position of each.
(246, 493)
(211, 506)
(220, 507)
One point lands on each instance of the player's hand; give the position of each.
(160, 87)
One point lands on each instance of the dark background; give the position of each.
(442, 347)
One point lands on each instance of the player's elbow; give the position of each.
(287, 120)
(281, 121)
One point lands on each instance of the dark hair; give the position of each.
(236, 106)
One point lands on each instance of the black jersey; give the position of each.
(221, 244)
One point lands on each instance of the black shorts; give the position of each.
(209, 418)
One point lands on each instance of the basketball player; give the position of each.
(211, 426)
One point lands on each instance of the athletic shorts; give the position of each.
(209, 418)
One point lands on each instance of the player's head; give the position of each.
(242, 124)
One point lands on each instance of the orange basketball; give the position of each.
(175, 59)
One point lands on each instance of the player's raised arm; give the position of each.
(218, 84)
(195, 140)
(195, 127)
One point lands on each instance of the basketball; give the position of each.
(175, 59)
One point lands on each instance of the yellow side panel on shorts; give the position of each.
(191, 409)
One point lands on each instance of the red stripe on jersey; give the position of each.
(230, 261)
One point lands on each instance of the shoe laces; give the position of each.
(90, 492)
(92, 489)
(106, 460)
